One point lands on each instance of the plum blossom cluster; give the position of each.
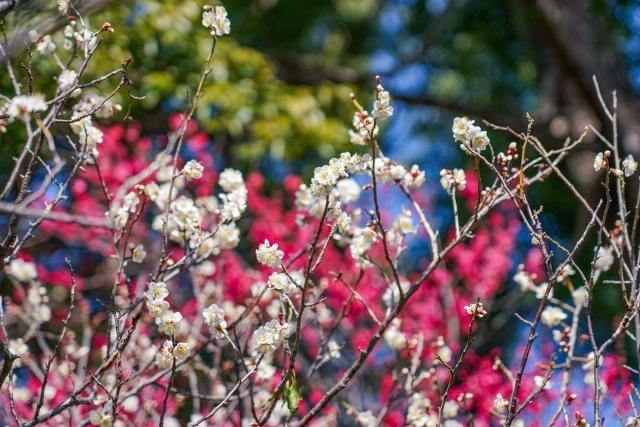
(169, 323)
(216, 20)
(382, 108)
(199, 298)
(389, 171)
(285, 283)
(269, 337)
(453, 180)
(36, 303)
(365, 125)
(23, 106)
(626, 168)
(269, 255)
(214, 318)
(469, 135)
(476, 309)
(206, 225)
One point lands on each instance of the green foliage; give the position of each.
(244, 103)
(292, 394)
(244, 100)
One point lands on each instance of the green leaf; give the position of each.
(292, 394)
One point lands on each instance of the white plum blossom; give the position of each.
(184, 220)
(598, 162)
(192, 170)
(388, 170)
(22, 106)
(470, 135)
(206, 268)
(38, 303)
(266, 372)
(85, 39)
(500, 404)
(453, 179)
(232, 210)
(342, 219)
(366, 418)
(169, 323)
(629, 165)
(67, 79)
(461, 128)
(323, 177)
(304, 198)
(334, 349)
(357, 138)
(63, 6)
(479, 139)
(41, 313)
(157, 307)
(604, 258)
(19, 348)
(165, 173)
(80, 122)
(580, 296)
(418, 410)
(88, 134)
(210, 204)
(445, 354)
(397, 172)
(552, 316)
(164, 357)
(476, 309)
(361, 242)
(348, 190)
(155, 296)
(268, 254)
(541, 382)
(364, 126)
(381, 107)
(414, 178)
(230, 180)
(394, 337)
(404, 224)
(567, 270)
(234, 204)
(541, 290)
(101, 417)
(524, 280)
(392, 294)
(269, 336)
(353, 163)
(450, 409)
(181, 351)
(151, 190)
(228, 236)
(45, 45)
(138, 255)
(94, 104)
(157, 290)
(281, 282)
(215, 19)
(22, 270)
(214, 319)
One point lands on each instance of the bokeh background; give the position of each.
(277, 100)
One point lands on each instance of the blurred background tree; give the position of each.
(492, 59)
(280, 88)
